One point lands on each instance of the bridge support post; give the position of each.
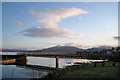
(57, 62)
(26, 59)
(22, 60)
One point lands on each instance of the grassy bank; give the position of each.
(87, 71)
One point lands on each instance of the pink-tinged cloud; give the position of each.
(19, 23)
(51, 17)
(83, 46)
(50, 33)
(49, 20)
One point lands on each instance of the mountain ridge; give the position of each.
(58, 49)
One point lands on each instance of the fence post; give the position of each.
(113, 64)
(103, 64)
(94, 64)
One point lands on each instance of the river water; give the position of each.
(15, 71)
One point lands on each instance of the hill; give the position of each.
(61, 49)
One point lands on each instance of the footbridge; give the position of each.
(23, 57)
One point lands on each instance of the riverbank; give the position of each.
(7, 61)
(87, 71)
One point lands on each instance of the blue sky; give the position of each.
(41, 25)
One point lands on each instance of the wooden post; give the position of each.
(57, 62)
(6, 57)
(113, 64)
(103, 64)
(94, 64)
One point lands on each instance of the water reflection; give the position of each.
(42, 61)
(13, 71)
(63, 62)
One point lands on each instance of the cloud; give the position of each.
(50, 33)
(18, 23)
(49, 20)
(51, 17)
(117, 37)
(77, 45)
(83, 46)
(107, 26)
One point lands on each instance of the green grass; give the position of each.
(88, 71)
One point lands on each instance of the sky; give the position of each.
(38, 25)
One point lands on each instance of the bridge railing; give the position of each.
(75, 55)
(47, 53)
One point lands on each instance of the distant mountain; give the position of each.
(51, 49)
(105, 47)
(95, 49)
(60, 49)
(100, 48)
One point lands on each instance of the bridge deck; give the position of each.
(74, 55)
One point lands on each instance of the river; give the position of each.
(15, 71)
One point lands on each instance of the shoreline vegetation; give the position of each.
(87, 71)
